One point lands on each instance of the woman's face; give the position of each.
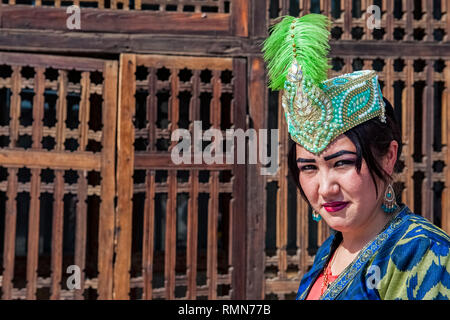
(345, 199)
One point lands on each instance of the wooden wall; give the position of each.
(86, 118)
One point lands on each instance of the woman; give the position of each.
(347, 146)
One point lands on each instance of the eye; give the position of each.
(342, 163)
(307, 168)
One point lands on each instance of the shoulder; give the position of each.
(417, 241)
(416, 262)
(417, 229)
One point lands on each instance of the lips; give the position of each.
(335, 206)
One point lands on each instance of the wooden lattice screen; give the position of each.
(187, 221)
(415, 77)
(57, 132)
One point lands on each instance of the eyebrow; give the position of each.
(334, 155)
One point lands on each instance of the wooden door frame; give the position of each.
(59, 160)
(127, 162)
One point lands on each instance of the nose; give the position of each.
(328, 186)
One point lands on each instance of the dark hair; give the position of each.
(372, 139)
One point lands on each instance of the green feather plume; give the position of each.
(311, 34)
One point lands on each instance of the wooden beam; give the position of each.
(10, 236)
(57, 235)
(174, 62)
(108, 186)
(163, 161)
(125, 161)
(64, 41)
(81, 232)
(170, 237)
(390, 48)
(46, 61)
(122, 21)
(116, 43)
(259, 12)
(256, 187)
(55, 160)
(240, 19)
(33, 234)
(427, 143)
(239, 216)
(149, 238)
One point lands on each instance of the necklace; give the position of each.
(327, 270)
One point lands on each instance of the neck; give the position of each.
(353, 241)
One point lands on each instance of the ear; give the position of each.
(391, 157)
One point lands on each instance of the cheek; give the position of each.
(350, 185)
(360, 187)
(309, 186)
(352, 182)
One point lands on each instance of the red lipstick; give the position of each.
(335, 206)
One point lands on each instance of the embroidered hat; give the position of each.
(317, 110)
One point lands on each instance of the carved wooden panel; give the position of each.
(182, 226)
(57, 125)
(399, 20)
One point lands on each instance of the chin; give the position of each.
(342, 220)
(338, 223)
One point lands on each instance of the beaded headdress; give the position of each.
(317, 110)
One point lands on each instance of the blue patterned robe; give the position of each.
(408, 260)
